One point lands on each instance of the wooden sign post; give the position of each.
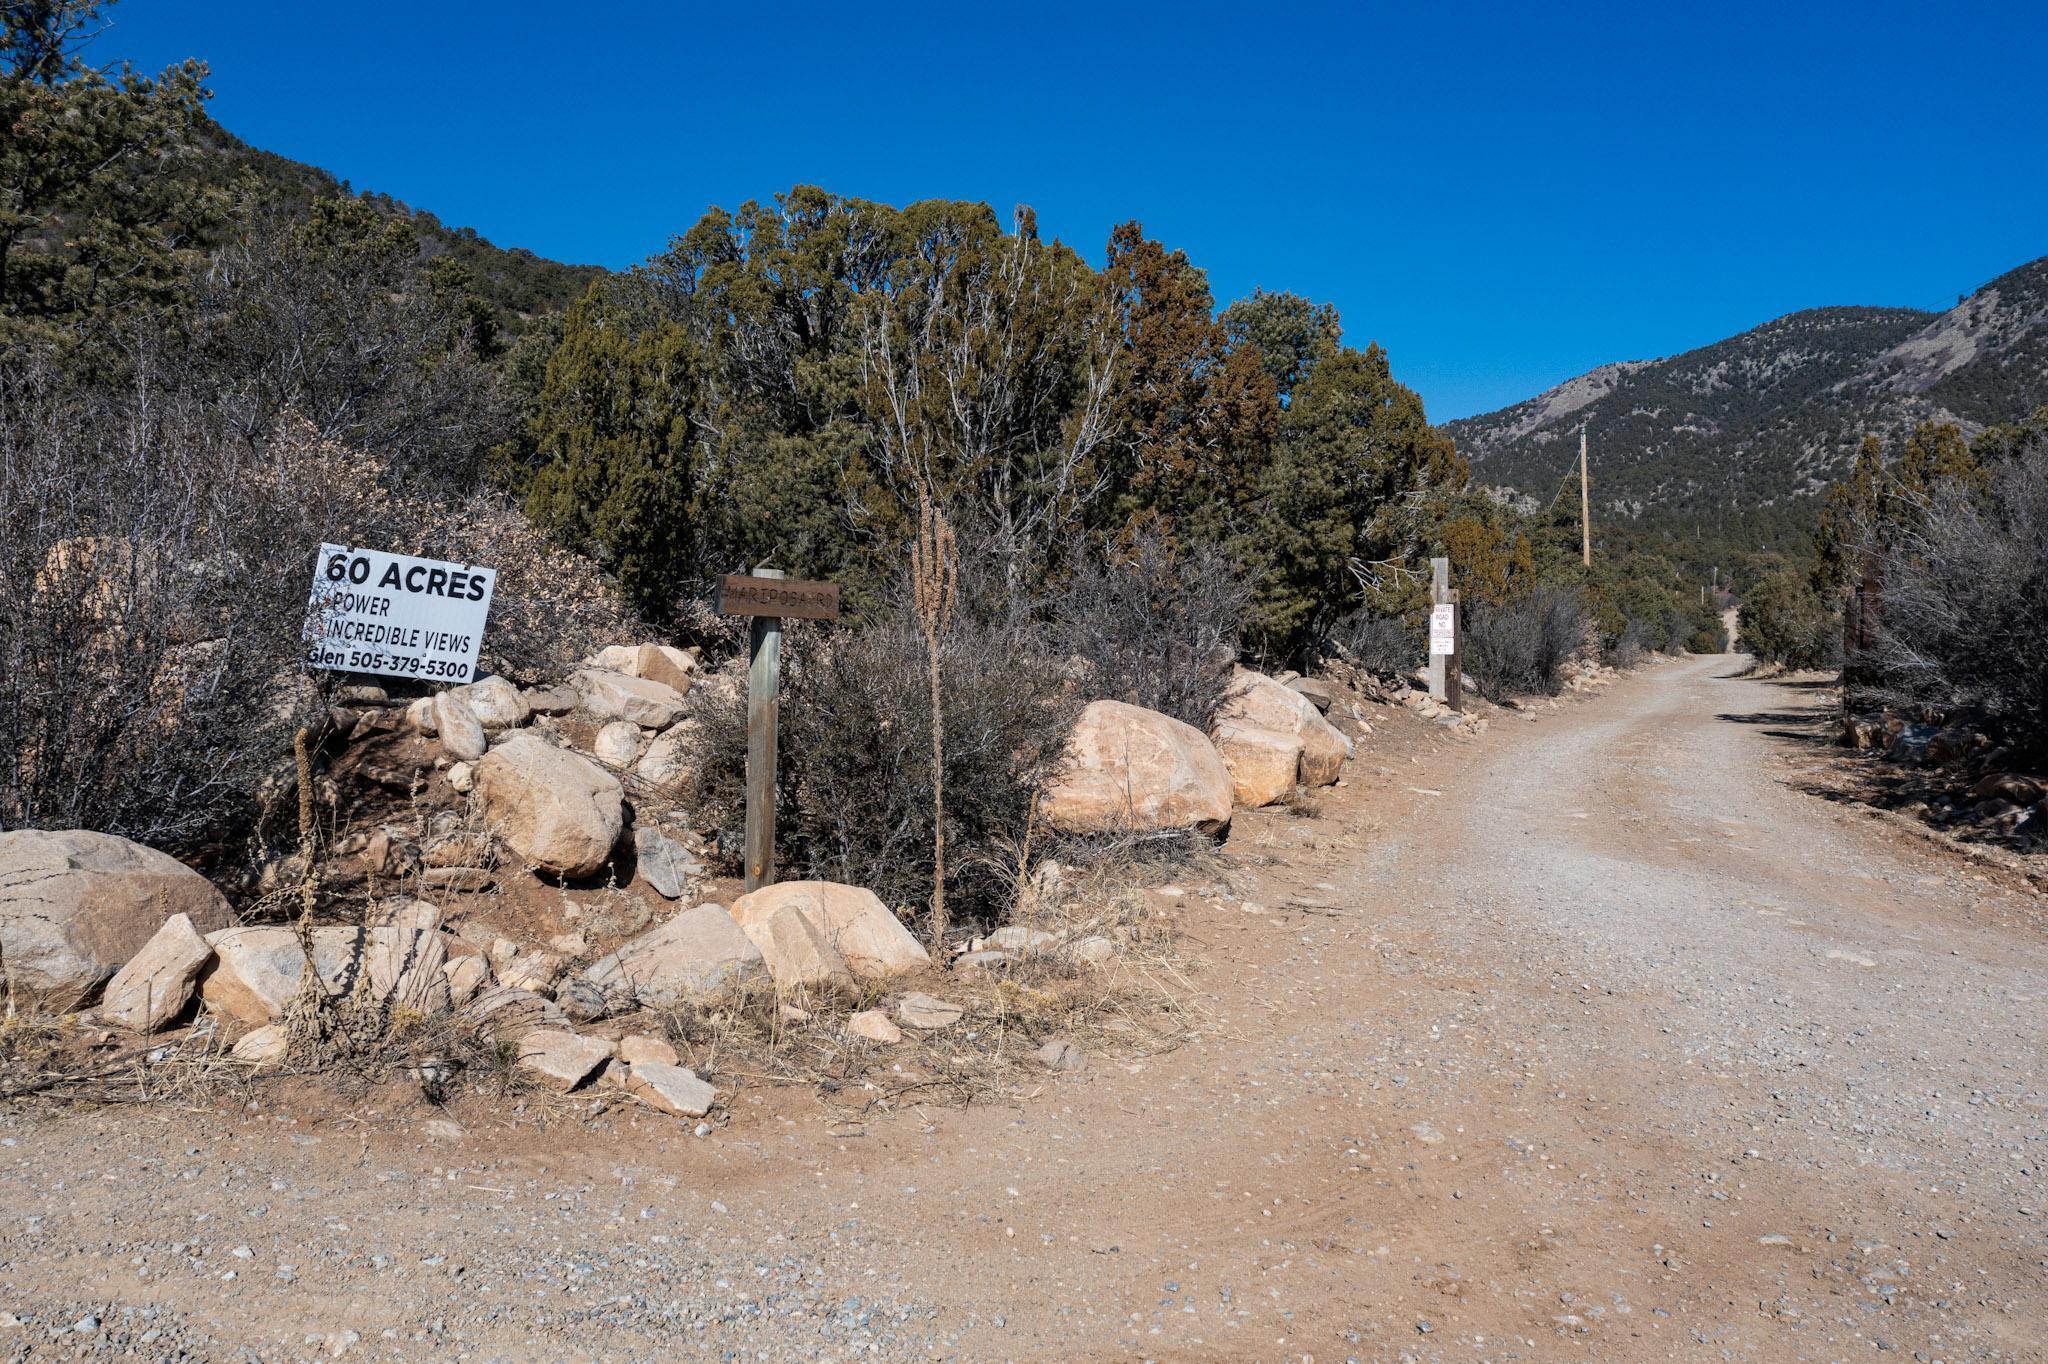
(768, 597)
(1446, 664)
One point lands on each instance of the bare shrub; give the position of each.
(855, 770)
(1678, 630)
(1520, 648)
(1386, 645)
(1632, 645)
(1156, 627)
(1963, 620)
(154, 571)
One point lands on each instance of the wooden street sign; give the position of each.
(768, 597)
(784, 598)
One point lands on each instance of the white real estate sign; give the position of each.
(1443, 629)
(373, 612)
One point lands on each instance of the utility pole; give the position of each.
(1585, 507)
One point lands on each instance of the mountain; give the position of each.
(1766, 419)
(518, 283)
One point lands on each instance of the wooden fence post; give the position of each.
(764, 681)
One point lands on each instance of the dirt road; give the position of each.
(1593, 1039)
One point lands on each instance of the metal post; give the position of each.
(764, 680)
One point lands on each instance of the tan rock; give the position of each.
(674, 1090)
(263, 1046)
(500, 1012)
(254, 975)
(665, 664)
(699, 953)
(462, 734)
(471, 879)
(1264, 764)
(800, 958)
(1062, 1055)
(535, 970)
(874, 942)
(156, 984)
(1018, 940)
(75, 906)
(496, 703)
(617, 696)
(671, 762)
(561, 1059)
(405, 963)
(663, 863)
(462, 777)
(928, 1012)
(2016, 787)
(1258, 701)
(556, 700)
(639, 1049)
(1134, 770)
(558, 811)
(420, 714)
(1093, 950)
(875, 1026)
(1321, 694)
(618, 744)
(466, 975)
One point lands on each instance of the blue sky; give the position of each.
(1502, 195)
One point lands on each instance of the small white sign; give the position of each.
(1443, 629)
(373, 612)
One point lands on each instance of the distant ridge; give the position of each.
(1769, 417)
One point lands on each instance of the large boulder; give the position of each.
(619, 696)
(1264, 763)
(695, 955)
(874, 942)
(560, 812)
(1132, 770)
(1256, 700)
(76, 905)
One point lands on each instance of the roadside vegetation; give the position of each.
(1050, 486)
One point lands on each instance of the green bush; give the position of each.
(1785, 622)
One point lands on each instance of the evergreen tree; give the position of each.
(97, 224)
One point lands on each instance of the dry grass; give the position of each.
(1138, 1003)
